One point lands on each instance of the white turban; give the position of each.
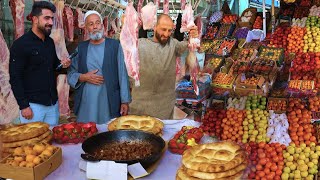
(88, 13)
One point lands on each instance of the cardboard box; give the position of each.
(277, 99)
(259, 85)
(38, 172)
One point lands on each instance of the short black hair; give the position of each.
(39, 5)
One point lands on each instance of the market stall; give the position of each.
(257, 94)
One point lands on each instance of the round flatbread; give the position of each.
(144, 123)
(26, 142)
(47, 139)
(23, 131)
(213, 157)
(217, 175)
(182, 175)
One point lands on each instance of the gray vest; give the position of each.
(109, 71)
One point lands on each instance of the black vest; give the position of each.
(109, 71)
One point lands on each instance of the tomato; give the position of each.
(261, 145)
(274, 167)
(259, 167)
(263, 161)
(261, 174)
(261, 155)
(268, 165)
(273, 153)
(278, 172)
(266, 171)
(275, 159)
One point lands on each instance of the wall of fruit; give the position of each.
(265, 94)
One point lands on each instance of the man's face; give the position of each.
(45, 21)
(163, 30)
(95, 27)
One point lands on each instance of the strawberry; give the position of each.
(181, 145)
(65, 138)
(77, 129)
(82, 134)
(86, 129)
(173, 144)
(180, 151)
(89, 134)
(73, 135)
(69, 126)
(174, 150)
(60, 134)
(94, 129)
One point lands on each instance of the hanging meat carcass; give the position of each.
(106, 26)
(149, 16)
(68, 23)
(139, 6)
(194, 43)
(62, 88)
(199, 24)
(57, 35)
(129, 42)
(81, 24)
(9, 109)
(17, 11)
(79, 18)
(165, 6)
(115, 28)
(157, 3)
(183, 4)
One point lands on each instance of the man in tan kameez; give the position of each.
(156, 94)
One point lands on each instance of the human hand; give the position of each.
(93, 78)
(193, 32)
(65, 62)
(27, 113)
(124, 108)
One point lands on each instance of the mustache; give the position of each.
(50, 26)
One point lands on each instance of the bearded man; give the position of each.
(156, 94)
(99, 76)
(33, 60)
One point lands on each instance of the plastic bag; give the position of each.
(255, 34)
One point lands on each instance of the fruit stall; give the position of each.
(256, 114)
(265, 89)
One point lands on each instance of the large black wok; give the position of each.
(97, 141)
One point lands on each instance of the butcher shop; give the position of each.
(159, 90)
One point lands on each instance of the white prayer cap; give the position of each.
(88, 13)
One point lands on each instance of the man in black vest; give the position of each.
(33, 60)
(99, 76)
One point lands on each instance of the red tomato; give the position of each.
(266, 171)
(261, 174)
(259, 167)
(263, 161)
(274, 167)
(261, 155)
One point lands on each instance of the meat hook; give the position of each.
(97, 5)
(78, 4)
(86, 6)
(110, 14)
(71, 3)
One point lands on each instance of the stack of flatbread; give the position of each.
(221, 160)
(23, 134)
(144, 123)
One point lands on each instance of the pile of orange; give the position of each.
(232, 128)
(295, 39)
(300, 127)
(314, 103)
